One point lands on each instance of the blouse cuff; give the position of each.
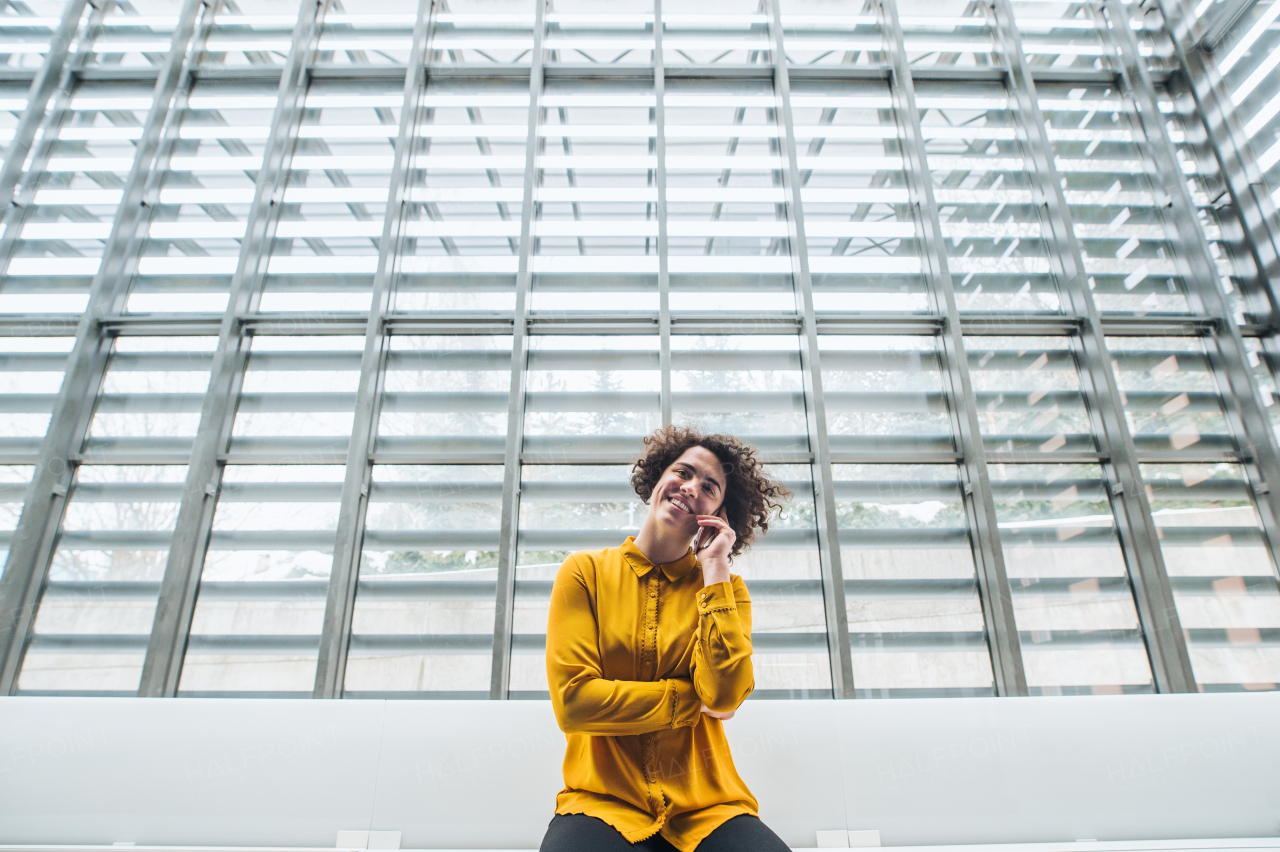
(686, 706)
(718, 597)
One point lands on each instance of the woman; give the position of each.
(649, 651)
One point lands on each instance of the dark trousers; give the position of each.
(582, 833)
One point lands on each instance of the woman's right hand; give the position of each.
(714, 715)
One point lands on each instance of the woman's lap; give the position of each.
(582, 833)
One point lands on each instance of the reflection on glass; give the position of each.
(256, 628)
(1222, 573)
(1169, 394)
(95, 614)
(858, 222)
(423, 620)
(590, 396)
(915, 618)
(747, 385)
(1072, 602)
(466, 187)
(884, 394)
(1028, 395)
(990, 222)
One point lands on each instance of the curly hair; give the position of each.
(751, 496)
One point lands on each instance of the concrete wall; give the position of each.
(485, 774)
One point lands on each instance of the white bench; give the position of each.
(478, 774)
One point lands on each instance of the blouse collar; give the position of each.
(641, 564)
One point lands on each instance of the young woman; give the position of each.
(649, 651)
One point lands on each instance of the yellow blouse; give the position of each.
(632, 655)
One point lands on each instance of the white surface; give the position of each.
(838, 839)
(471, 775)
(864, 838)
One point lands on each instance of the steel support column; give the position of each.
(660, 178)
(335, 634)
(46, 499)
(504, 609)
(1139, 539)
(993, 584)
(824, 494)
(47, 80)
(166, 648)
(1227, 355)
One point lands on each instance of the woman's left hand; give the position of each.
(723, 717)
(714, 555)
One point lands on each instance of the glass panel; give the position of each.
(563, 509)
(1170, 397)
(1223, 576)
(136, 34)
(26, 29)
(423, 620)
(732, 32)
(819, 32)
(915, 618)
(95, 615)
(590, 396)
(990, 222)
(297, 399)
(466, 188)
(884, 395)
(747, 385)
(31, 370)
(483, 32)
(445, 398)
(1060, 35)
(946, 32)
(727, 228)
(1128, 252)
(1248, 59)
(1072, 602)
(1028, 396)
(596, 235)
(863, 254)
(372, 32)
(325, 250)
(259, 35)
(598, 32)
(83, 161)
(256, 629)
(151, 398)
(198, 221)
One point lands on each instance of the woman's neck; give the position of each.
(658, 545)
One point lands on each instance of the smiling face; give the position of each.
(692, 485)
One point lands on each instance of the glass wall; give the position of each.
(358, 365)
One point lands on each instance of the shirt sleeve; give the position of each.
(721, 668)
(584, 701)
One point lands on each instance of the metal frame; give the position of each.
(824, 494)
(504, 605)
(166, 648)
(335, 635)
(1152, 592)
(988, 557)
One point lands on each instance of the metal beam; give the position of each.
(660, 178)
(993, 584)
(504, 605)
(178, 588)
(1220, 20)
(1139, 538)
(46, 81)
(335, 634)
(839, 654)
(35, 538)
(1241, 399)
